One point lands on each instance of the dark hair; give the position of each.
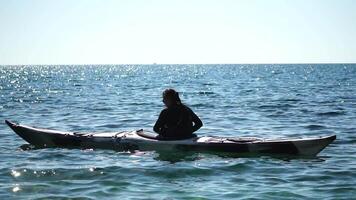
(171, 94)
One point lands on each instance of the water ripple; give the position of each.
(232, 100)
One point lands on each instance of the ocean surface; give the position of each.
(232, 100)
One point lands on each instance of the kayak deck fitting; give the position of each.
(146, 141)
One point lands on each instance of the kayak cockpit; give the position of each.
(154, 136)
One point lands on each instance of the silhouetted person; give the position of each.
(176, 121)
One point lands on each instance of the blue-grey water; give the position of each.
(232, 100)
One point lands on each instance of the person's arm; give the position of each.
(158, 127)
(196, 120)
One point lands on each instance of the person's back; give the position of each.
(176, 121)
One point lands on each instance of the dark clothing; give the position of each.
(177, 121)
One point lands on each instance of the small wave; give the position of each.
(206, 93)
(346, 141)
(179, 173)
(306, 111)
(315, 127)
(290, 100)
(138, 103)
(103, 109)
(331, 113)
(275, 106)
(277, 114)
(201, 105)
(110, 126)
(209, 84)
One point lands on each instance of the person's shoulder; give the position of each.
(164, 111)
(187, 107)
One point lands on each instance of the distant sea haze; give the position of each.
(264, 100)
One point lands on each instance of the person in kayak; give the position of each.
(176, 121)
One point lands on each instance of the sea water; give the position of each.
(232, 100)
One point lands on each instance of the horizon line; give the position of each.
(291, 63)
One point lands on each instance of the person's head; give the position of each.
(170, 97)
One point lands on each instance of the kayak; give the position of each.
(147, 141)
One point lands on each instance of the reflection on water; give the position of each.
(232, 100)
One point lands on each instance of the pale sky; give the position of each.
(177, 31)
